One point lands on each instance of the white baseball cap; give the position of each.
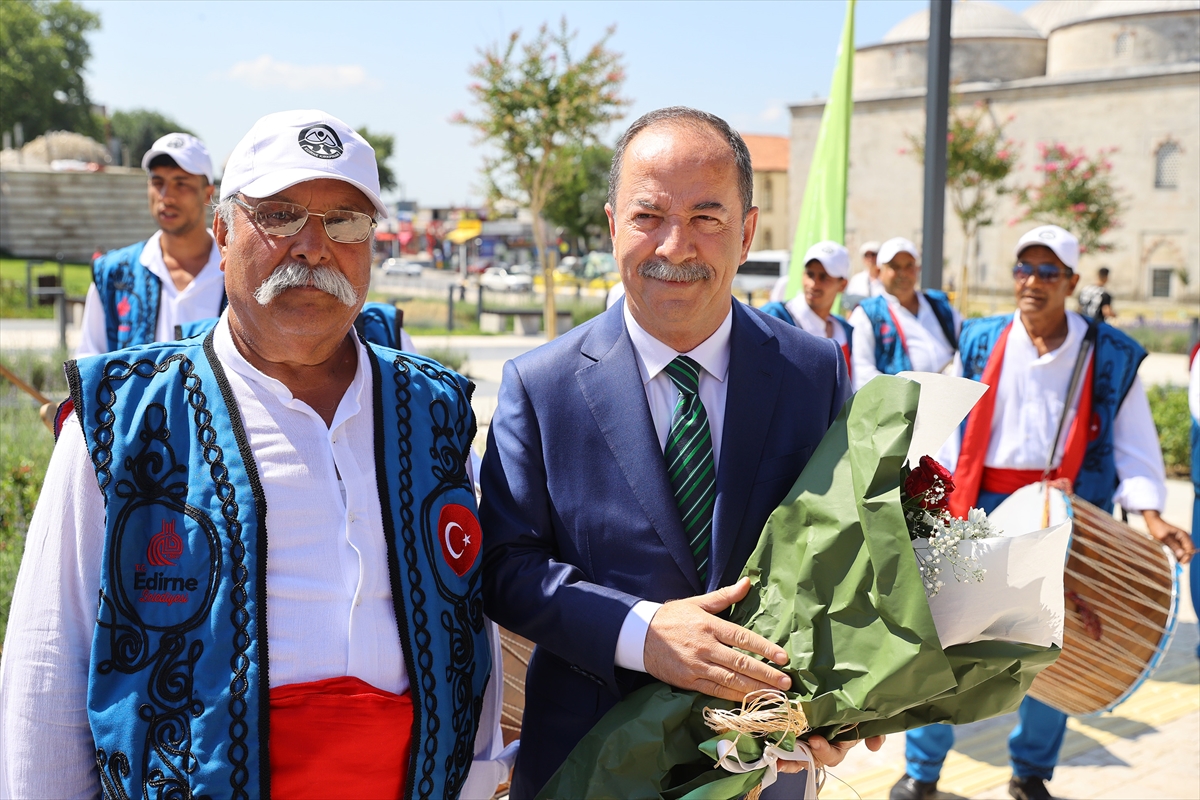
(291, 147)
(833, 257)
(869, 247)
(188, 152)
(893, 247)
(1060, 242)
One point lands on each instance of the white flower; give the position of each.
(947, 534)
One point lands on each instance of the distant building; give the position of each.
(769, 155)
(1086, 73)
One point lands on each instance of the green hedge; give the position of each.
(1169, 406)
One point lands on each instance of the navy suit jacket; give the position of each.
(578, 514)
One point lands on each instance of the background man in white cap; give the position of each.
(1109, 441)
(165, 482)
(865, 282)
(826, 265)
(141, 292)
(905, 328)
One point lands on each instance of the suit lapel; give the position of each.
(755, 373)
(612, 388)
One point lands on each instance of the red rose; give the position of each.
(930, 484)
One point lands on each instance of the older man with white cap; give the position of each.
(905, 328)
(865, 282)
(136, 659)
(1108, 453)
(826, 265)
(141, 292)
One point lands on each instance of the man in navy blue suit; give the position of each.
(632, 463)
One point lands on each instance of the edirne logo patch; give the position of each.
(321, 141)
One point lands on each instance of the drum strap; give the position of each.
(971, 476)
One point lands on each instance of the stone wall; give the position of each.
(771, 197)
(45, 213)
(1135, 115)
(1124, 42)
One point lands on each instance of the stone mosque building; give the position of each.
(1086, 73)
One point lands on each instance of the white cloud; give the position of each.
(265, 72)
(773, 112)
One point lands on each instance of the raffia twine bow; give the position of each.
(767, 712)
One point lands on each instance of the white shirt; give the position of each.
(1029, 401)
(329, 602)
(652, 358)
(863, 285)
(808, 320)
(928, 348)
(1194, 390)
(200, 299)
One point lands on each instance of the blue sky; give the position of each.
(401, 67)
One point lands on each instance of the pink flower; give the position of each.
(950, 136)
(1003, 154)
(1079, 207)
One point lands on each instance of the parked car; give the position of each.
(498, 279)
(479, 266)
(402, 267)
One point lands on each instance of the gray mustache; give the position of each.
(294, 275)
(689, 272)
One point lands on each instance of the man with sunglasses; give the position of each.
(826, 265)
(1108, 454)
(141, 292)
(275, 486)
(904, 328)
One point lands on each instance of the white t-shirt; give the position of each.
(808, 321)
(200, 299)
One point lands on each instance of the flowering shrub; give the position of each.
(925, 497)
(1077, 194)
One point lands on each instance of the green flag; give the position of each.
(823, 211)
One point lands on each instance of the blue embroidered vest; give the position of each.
(779, 311)
(379, 323)
(890, 356)
(129, 294)
(178, 694)
(1117, 358)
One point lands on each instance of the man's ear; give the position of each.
(220, 235)
(749, 226)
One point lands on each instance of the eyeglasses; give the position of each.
(1047, 273)
(276, 218)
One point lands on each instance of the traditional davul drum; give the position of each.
(1122, 595)
(516, 661)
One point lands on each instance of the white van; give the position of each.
(762, 270)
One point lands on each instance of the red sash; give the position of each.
(899, 330)
(339, 738)
(971, 476)
(846, 355)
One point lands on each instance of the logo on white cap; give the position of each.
(321, 141)
(1048, 235)
(175, 142)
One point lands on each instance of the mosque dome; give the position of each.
(969, 19)
(1113, 35)
(991, 43)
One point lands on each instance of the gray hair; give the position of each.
(696, 119)
(224, 210)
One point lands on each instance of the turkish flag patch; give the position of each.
(458, 530)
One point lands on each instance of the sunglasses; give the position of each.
(276, 218)
(1047, 273)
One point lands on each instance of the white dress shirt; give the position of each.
(1029, 402)
(863, 285)
(329, 601)
(200, 299)
(652, 358)
(928, 348)
(808, 320)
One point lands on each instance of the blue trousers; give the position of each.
(1032, 746)
(1194, 568)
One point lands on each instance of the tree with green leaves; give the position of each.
(383, 144)
(43, 53)
(979, 160)
(577, 206)
(1077, 194)
(140, 128)
(535, 99)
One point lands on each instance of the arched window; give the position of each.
(768, 203)
(1123, 44)
(768, 243)
(1167, 163)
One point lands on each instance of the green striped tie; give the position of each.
(689, 455)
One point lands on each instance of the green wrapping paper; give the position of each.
(836, 585)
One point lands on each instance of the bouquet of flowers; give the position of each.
(858, 603)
